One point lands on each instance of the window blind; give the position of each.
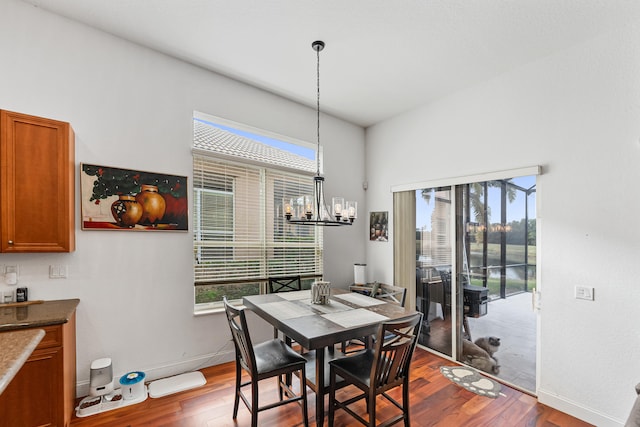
(240, 234)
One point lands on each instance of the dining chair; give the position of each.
(390, 293)
(269, 359)
(376, 371)
(284, 284)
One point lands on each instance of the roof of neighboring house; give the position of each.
(219, 141)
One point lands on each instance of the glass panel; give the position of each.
(215, 292)
(475, 206)
(433, 267)
(493, 257)
(499, 323)
(515, 236)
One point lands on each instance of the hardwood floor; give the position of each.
(435, 401)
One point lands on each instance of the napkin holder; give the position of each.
(320, 292)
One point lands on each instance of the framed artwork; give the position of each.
(123, 199)
(378, 226)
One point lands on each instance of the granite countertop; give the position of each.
(16, 347)
(46, 313)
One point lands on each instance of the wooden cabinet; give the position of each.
(37, 170)
(43, 392)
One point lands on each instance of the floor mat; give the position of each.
(176, 384)
(471, 380)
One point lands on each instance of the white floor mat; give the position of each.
(176, 384)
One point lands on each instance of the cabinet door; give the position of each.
(33, 397)
(37, 184)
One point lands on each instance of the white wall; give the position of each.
(132, 108)
(577, 114)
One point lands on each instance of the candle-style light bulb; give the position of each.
(308, 207)
(337, 203)
(287, 208)
(352, 210)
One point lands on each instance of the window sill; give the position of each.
(203, 312)
(214, 308)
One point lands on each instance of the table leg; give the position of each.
(319, 387)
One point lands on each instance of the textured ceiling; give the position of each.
(383, 57)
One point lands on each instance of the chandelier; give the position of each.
(312, 209)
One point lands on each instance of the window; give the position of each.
(240, 235)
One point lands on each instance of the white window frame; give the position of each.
(265, 169)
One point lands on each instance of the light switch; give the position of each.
(584, 292)
(58, 272)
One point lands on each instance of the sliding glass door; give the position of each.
(475, 271)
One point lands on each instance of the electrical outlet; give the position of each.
(584, 292)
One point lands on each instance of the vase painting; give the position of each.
(124, 199)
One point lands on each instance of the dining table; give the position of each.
(317, 328)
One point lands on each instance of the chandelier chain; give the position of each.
(318, 110)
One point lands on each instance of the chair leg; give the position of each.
(254, 403)
(405, 402)
(371, 403)
(280, 379)
(332, 398)
(237, 397)
(303, 390)
(288, 377)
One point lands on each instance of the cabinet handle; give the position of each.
(11, 242)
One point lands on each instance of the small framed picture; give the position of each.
(378, 226)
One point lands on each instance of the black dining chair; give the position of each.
(376, 371)
(269, 359)
(284, 284)
(389, 293)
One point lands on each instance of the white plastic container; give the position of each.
(132, 385)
